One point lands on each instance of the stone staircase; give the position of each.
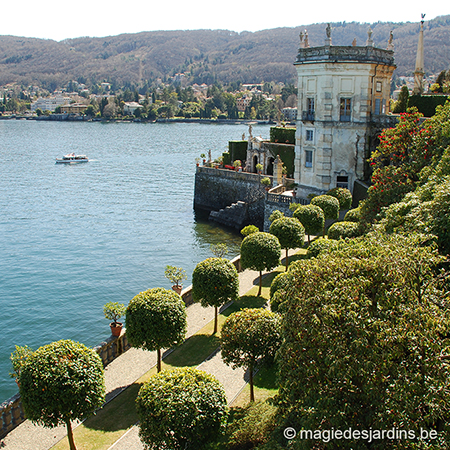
(235, 215)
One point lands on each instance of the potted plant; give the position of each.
(175, 275)
(203, 156)
(266, 182)
(197, 161)
(114, 311)
(259, 167)
(237, 164)
(18, 358)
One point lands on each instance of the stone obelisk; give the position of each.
(419, 73)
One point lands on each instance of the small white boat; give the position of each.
(71, 158)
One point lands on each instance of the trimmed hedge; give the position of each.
(426, 104)
(287, 155)
(342, 230)
(226, 159)
(282, 135)
(238, 150)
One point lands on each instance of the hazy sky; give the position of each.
(55, 19)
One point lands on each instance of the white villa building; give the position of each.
(343, 101)
(50, 103)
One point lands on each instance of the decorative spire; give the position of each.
(419, 72)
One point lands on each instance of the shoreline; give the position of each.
(76, 118)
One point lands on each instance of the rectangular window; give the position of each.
(310, 105)
(308, 158)
(342, 182)
(378, 86)
(346, 109)
(309, 135)
(377, 106)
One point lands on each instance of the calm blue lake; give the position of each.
(75, 237)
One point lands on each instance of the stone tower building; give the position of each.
(343, 101)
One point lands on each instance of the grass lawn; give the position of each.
(99, 432)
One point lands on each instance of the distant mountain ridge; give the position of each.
(205, 55)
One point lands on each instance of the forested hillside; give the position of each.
(204, 55)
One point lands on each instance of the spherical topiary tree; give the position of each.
(248, 335)
(181, 408)
(260, 251)
(342, 230)
(343, 195)
(329, 206)
(249, 229)
(353, 215)
(214, 282)
(61, 382)
(290, 232)
(311, 217)
(156, 319)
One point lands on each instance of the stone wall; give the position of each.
(281, 203)
(216, 189)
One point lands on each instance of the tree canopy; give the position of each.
(248, 335)
(181, 408)
(365, 341)
(156, 319)
(290, 233)
(311, 217)
(260, 251)
(215, 281)
(61, 382)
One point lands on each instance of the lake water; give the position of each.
(75, 237)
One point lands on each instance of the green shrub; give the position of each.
(215, 281)
(226, 159)
(249, 229)
(343, 195)
(260, 251)
(311, 217)
(342, 230)
(320, 245)
(353, 215)
(181, 408)
(282, 135)
(277, 214)
(279, 282)
(329, 206)
(253, 428)
(277, 287)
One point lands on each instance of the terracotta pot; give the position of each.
(116, 328)
(177, 289)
